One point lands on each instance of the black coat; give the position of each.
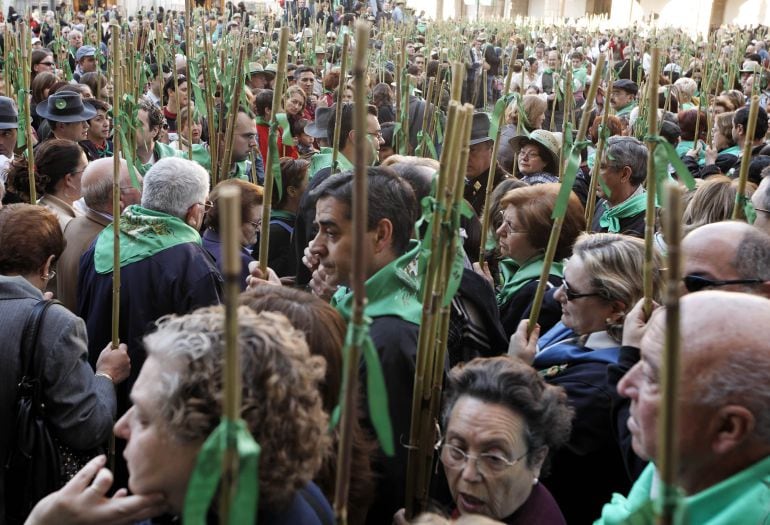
(520, 307)
(633, 226)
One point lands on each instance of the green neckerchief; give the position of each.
(160, 151)
(321, 160)
(732, 150)
(202, 155)
(515, 277)
(282, 214)
(610, 219)
(143, 233)
(394, 290)
(261, 121)
(625, 110)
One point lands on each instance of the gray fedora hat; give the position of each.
(480, 128)
(66, 106)
(317, 128)
(9, 114)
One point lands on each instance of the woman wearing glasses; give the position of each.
(537, 156)
(251, 223)
(522, 239)
(501, 423)
(602, 282)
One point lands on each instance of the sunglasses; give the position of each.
(696, 283)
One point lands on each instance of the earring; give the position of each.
(535, 481)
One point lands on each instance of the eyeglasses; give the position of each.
(377, 134)
(207, 205)
(486, 464)
(762, 210)
(49, 64)
(529, 154)
(571, 296)
(696, 283)
(510, 228)
(257, 224)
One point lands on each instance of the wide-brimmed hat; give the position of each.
(480, 128)
(751, 66)
(550, 146)
(255, 68)
(66, 106)
(9, 114)
(271, 69)
(317, 128)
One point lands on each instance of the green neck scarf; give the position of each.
(732, 150)
(282, 214)
(143, 233)
(610, 219)
(515, 277)
(394, 290)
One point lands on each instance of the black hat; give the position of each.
(317, 128)
(480, 128)
(66, 106)
(629, 86)
(9, 115)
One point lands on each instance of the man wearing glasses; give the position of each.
(761, 202)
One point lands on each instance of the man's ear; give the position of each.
(626, 174)
(383, 238)
(733, 425)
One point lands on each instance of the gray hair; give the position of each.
(752, 258)
(74, 32)
(628, 151)
(173, 185)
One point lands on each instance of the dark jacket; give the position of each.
(307, 507)
(475, 190)
(491, 58)
(212, 243)
(520, 307)
(281, 256)
(633, 226)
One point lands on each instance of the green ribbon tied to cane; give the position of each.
(124, 119)
(431, 210)
(665, 154)
(272, 146)
(21, 136)
(208, 472)
(748, 208)
(424, 142)
(498, 112)
(570, 174)
(376, 393)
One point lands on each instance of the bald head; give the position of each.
(729, 251)
(723, 399)
(97, 186)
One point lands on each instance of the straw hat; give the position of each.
(547, 142)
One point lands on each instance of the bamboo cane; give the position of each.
(230, 223)
(24, 80)
(649, 218)
(208, 78)
(224, 168)
(668, 460)
(338, 107)
(598, 159)
(267, 196)
(189, 43)
(458, 75)
(751, 126)
(358, 273)
(568, 103)
(553, 240)
(493, 167)
(116, 93)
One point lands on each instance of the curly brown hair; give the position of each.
(281, 402)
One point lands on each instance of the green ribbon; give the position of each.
(283, 123)
(376, 392)
(21, 136)
(424, 142)
(665, 154)
(272, 146)
(570, 174)
(206, 476)
(498, 112)
(515, 277)
(748, 208)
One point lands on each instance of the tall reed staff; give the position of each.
(649, 218)
(272, 152)
(751, 126)
(358, 275)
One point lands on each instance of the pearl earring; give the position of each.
(535, 481)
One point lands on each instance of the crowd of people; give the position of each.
(555, 425)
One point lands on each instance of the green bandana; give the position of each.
(732, 150)
(610, 219)
(282, 214)
(394, 290)
(515, 277)
(321, 160)
(143, 233)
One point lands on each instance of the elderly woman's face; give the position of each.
(513, 238)
(531, 159)
(584, 315)
(479, 429)
(157, 463)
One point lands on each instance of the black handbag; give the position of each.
(33, 468)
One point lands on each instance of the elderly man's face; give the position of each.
(553, 60)
(758, 199)
(479, 159)
(711, 255)
(8, 141)
(157, 462)
(620, 99)
(75, 40)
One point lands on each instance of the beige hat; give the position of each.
(549, 141)
(751, 66)
(255, 67)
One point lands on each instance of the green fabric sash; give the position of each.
(321, 160)
(394, 290)
(626, 110)
(281, 214)
(202, 488)
(610, 219)
(143, 233)
(732, 150)
(515, 277)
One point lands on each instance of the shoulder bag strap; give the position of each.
(29, 367)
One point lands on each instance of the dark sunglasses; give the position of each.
(572, 295)
(696, 283)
